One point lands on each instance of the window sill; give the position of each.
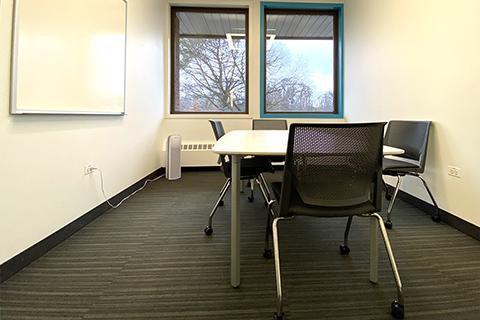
(301, 115)
(208, 116)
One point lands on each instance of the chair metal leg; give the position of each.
(267, 189)
(252, 185)
(397, 306)
(393, 264)
(278, 275)
(373, 251)
(263, 191)
(436, 215)
(388, 223)
(387, 195)
(344, 249)
(226, 186)
(269, 204)
(267, 252)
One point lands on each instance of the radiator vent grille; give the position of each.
(197, 146)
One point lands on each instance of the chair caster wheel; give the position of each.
(388, 224)
(436, 218)
(250, 198)
(398, 311)
(268, 254)
(278, 317)
(208, 231)
(344, 250)
(221, 203)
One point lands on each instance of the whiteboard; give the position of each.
(68, 57)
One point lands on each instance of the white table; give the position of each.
(240, 143)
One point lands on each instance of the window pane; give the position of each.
(211, 61)
(300, 62)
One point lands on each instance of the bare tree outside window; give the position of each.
(289, 88)
(213, 76)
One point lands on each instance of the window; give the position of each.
(209, 60)
(301, 51)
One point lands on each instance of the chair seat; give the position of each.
(251, 168)
(299, 208)
(277, 158)
(394, 167)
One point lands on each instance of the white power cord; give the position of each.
(127, 197)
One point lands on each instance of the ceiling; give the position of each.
(304, 26)
(300, 26)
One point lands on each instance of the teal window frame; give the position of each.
(302, 6)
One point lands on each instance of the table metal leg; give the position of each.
(235, 224)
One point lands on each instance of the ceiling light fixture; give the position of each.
(230, 36)
(231, 45)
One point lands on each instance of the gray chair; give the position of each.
(276, 124)
(250, 169)
(411, 136)
(264, 124)
(334, 170)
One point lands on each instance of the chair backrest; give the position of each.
(218, 129)
(411, 136)
(263, 124)
(334, 165)
(219, 132)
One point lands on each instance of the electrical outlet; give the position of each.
(454, 171)
(88, 169)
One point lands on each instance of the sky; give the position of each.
(318, 56)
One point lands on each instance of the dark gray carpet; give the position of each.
(149, 259)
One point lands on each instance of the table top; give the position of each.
(264, 143)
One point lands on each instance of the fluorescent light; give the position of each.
(270, 38)
(230, 36)
(231, 45)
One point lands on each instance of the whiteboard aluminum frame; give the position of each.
(13, 75)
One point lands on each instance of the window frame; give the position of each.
(174, 55)
(335, 9)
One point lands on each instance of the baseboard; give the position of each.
(445, 216)
(23, 259)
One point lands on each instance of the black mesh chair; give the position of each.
(250, 169)
(411, 136)
(334, 170)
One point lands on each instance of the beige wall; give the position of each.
(410, 59)
(42, 186)
(405, 59)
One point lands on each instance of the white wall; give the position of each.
(195, 128)
(410, 59)
(405, 59)
(42, 186)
